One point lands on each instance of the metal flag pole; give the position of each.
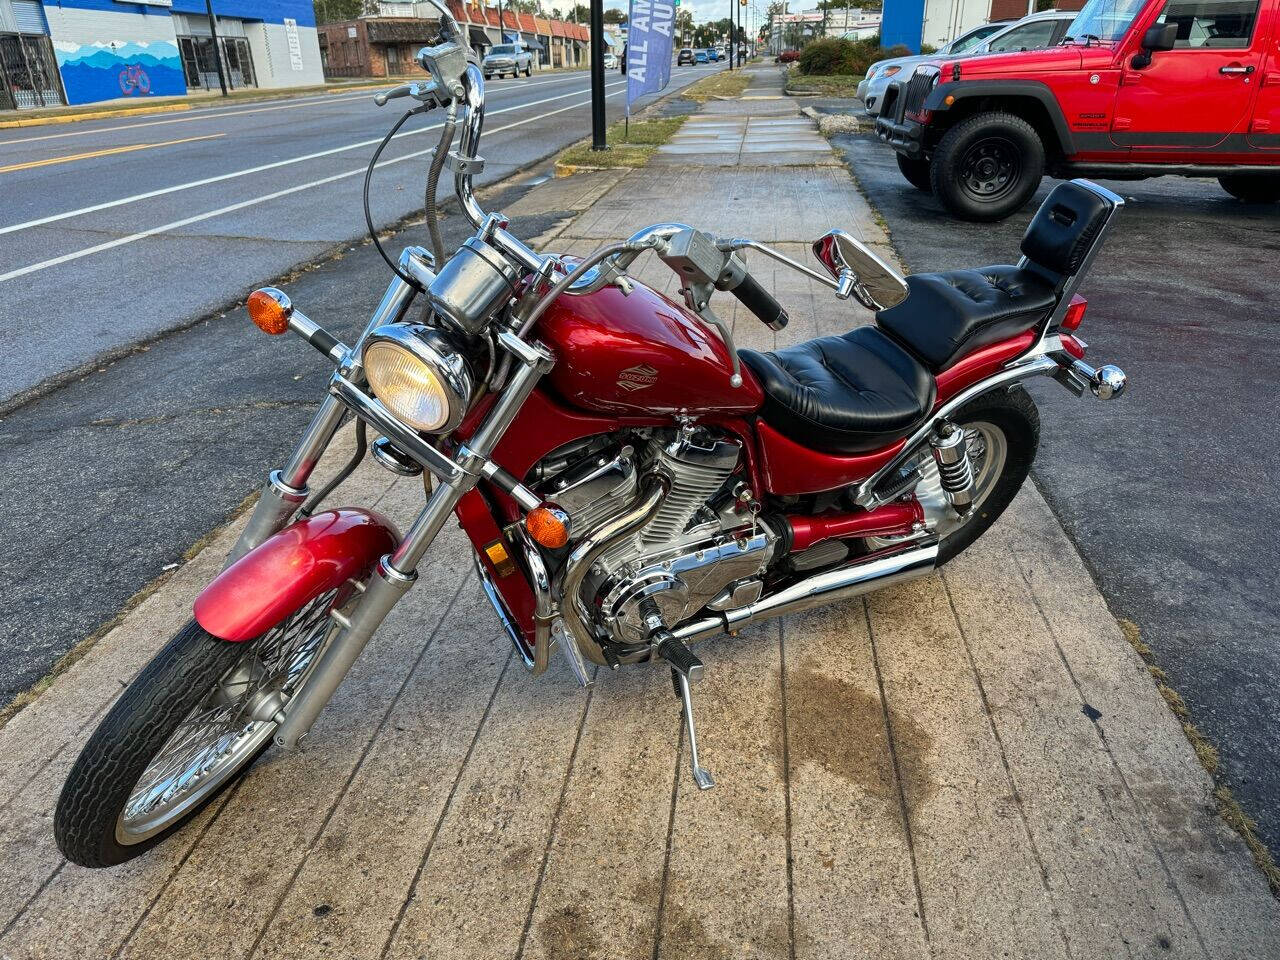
(598, 141)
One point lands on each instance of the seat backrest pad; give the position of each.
(1065, 228)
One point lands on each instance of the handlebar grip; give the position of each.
(760, 302)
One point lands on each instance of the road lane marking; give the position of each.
(222, 177)
(209, 114)
(108, 152)
(232, 208)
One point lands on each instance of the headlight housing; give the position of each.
(891, 71)
(420, 375)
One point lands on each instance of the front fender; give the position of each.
(291, 569)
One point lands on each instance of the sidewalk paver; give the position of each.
(971, 765)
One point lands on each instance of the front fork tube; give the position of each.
(286, 490)
(397, 571)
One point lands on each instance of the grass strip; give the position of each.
(627, 147)
(828, 86)
(727, 83)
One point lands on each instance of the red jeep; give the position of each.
(1137, 88)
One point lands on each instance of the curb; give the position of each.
(178, 107)
(98, 115)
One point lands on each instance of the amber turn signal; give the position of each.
(269, 310)
(548, 525)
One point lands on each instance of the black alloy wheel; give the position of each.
(987, 167)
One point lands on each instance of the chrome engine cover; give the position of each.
(681, 578)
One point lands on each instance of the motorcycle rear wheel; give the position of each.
(190, 725)
(1003, 433)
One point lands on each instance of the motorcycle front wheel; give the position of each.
(190, 725)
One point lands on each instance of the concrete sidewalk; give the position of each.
(973, 765)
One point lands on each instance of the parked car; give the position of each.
(1139, 89)
(1030, 33)
(684, 56)
(787, 56)
(512, 58)
(611, 61)
(701, 57)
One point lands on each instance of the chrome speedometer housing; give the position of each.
(419, 374)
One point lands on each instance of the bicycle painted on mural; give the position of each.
(134, 81)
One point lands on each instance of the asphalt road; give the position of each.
(1169, 492)
(113, 231)
(113, 474)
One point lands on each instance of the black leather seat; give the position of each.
(848, 394)
(946, 315)
(861, 391)
(950, 314)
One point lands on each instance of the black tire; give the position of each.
(134, 730)
(1015, 414)
(1252, 188)
(916, 172)
(987, 167)
(528, 70)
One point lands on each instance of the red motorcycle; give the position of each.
(629, 481)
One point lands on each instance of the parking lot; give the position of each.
(1167, 493)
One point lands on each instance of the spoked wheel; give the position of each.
(192, 722)
(1002, 433)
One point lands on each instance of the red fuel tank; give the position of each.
(640, 353)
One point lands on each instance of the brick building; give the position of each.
(385, 45)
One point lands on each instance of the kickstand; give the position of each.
(701, 776)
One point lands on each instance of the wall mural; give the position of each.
(102, 71)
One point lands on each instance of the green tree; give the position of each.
(614, 15)
(332, 11)
(684, 27)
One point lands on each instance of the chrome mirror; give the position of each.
(859, 272)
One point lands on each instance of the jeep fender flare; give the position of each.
(1027, 89)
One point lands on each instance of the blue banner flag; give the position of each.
(649, 27)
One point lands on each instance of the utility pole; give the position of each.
(732, 4)
(598, 141)
(217, 48)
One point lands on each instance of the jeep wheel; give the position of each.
(987, 167)
(1252, 188)
(916, 171)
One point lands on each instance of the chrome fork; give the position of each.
(397, 571)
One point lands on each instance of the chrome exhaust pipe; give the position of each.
(843, 583)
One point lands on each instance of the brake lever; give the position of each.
(426, 93)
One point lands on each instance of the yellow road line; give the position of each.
(104, 153)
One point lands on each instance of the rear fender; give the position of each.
(292, 568)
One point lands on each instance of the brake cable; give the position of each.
(368, 217)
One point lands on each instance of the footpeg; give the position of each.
(683, 660)
(701, 776)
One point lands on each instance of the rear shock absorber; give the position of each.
(951, 453)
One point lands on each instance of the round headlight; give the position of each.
(419, 375)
